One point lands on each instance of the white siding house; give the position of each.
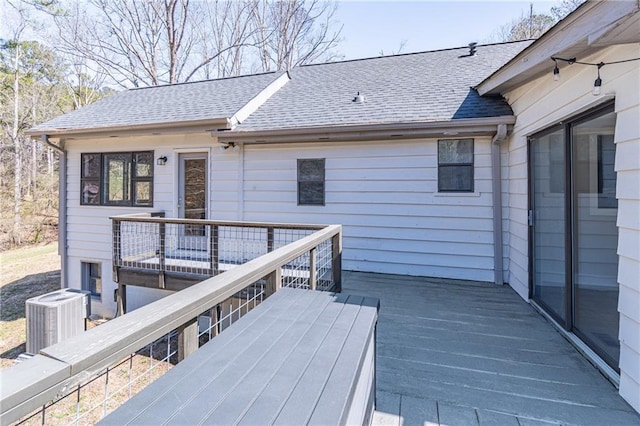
(598, 32)
(546, 175)
(385, 196)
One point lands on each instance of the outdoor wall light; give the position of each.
(161, 161)
(232, 145)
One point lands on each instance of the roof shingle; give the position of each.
(201, 100)
(418, 87)
(428, 86)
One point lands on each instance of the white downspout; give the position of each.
(241, 183)
(496, 190)
(62, 208)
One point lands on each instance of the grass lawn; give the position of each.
(24, 273)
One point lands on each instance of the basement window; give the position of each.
(311, 182)
(455, 165)
(92, 279)
(117, 179)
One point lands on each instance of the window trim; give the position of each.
(451, 165)
(102, 181)
(302, 182)
(85, 267)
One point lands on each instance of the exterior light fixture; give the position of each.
(597, 85)
(359, 99)
(161, 161)
(232, 145)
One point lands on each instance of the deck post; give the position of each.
(270, 233)
(274, 281)
(187, 339)
(313, 275)
(215, 249)
(336, 261)
(214, 314)
(121, 303)
(162, 233)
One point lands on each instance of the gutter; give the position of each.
(368, 132)
(496, 193)
(222, 123)
(62, 207)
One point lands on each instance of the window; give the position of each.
(455, 165)
(311, 182)
(91, 279)
(117, 179)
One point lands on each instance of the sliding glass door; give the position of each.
(595, 235)
(548, 221)
(573, 231)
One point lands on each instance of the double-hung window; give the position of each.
(455, 165)
(311, 182)
(117, 179)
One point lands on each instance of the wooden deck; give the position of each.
(463, 353)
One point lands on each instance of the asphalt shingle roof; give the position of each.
(209, 99)
(429, 86)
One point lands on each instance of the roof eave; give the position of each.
(170, 127)
(579, 34)
(485, 126)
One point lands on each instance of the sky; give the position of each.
(371, 27)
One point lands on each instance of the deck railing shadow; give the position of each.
(112, 362)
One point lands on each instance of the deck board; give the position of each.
(460, 352)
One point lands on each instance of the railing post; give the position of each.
(274, 281)
(121, 303)
(162, 234)
(336, 261)
(214, 313)
(215, 249)
(270, 237)
(117, 248)
(187, 339)
(313, 279)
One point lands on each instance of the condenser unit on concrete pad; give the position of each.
(55, 316)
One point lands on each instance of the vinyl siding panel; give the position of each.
(385, 196)
(89, 229)
(543, 103)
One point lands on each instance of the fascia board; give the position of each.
(570, 34)
(190, 126)
(451, 128)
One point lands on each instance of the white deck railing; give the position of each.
(59, 370)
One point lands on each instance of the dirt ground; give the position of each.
(24, 273)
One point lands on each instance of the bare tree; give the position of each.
(225, 38)
(565, 8)
(12, 56)
(144, 43)
(295, 32)
(398, 51)
(30, 91)
(529, 26)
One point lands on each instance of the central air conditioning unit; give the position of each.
(55, 316)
